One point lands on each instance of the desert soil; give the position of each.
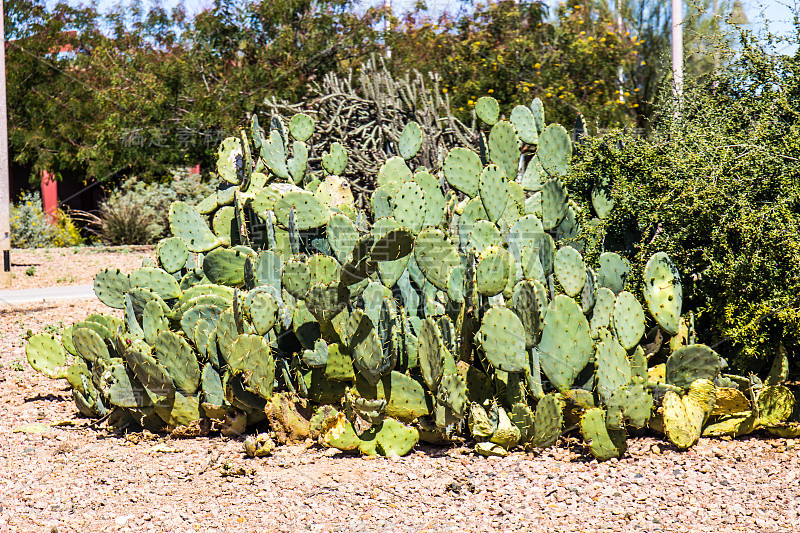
(57, 473)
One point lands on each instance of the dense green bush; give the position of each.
(717, 187)
(32, 228)
(136, 212)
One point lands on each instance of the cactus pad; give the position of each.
(566, 345)
(570, 270)
(487, 109)
(628, 320)
(189, 226)
(502, 339)
(663, 292)
(462, 169)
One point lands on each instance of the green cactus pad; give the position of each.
(301, 127)
(487, 109)
(685, 416)
(172, 254)
(566, 345)
(493, 191)
(435, 204)
(340, 365)
(196, 313)
(537, 109)
(395, 438)
(547, 421)
(230, 160)
(225, 266)
(89, 345)
(482, 235)
(633, 403)
(392, 174)
(493, 271)
(174, 354)
(223, 224)
(604, 443)
(436, 257)
(555, 150)
(46, 355)
(310, 212)
(523, 235)
(502, 339)
(602, 200)
(362, 340)
(602, 311)
(110, 286)
(529, 303)
(410, 141)
(273, 151)
(462, 169)
(663, 292)
(405, 396)
(157, 280)
(154, 321)
(525, 124)
(431, 354)
(335, 160)
(342, 235)
(504, 149)
(692, 362)
(534, 176)
(554, 203)
(628, 320)
(326, 300)
(298, 164)
(188, 225)
(613, 367)
(409, 206)
(570, 270)
(263, 310)
(612, 271)
(251, 357)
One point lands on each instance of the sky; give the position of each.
(775, 14)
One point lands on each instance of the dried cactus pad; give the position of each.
(663, 292)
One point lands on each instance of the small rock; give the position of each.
(123, 519)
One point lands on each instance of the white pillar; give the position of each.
(677, 47)
(5, 196)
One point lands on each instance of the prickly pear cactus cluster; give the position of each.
(460, 307)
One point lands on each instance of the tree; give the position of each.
(509, 50)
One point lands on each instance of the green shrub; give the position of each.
(718, 188)
(136, 212)
(31, 226)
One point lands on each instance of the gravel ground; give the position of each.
(58, 474)
(51, 267)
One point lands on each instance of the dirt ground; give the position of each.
(57, 473)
